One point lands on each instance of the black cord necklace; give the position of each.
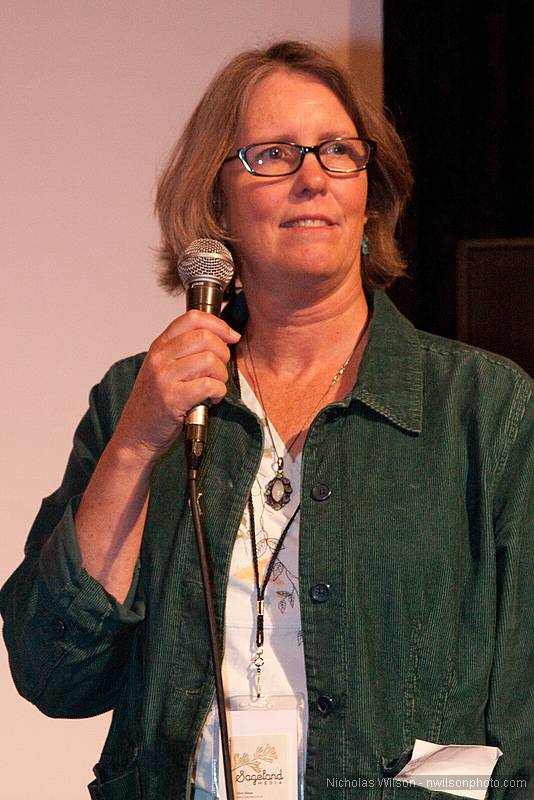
(260, 590)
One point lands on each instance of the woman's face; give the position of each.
(302, 227)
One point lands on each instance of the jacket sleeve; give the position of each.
(68, 639)
(510, 708)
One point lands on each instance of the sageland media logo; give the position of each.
(259, 768)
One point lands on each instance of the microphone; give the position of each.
(205, 269)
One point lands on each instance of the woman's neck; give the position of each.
(288, 339)
(298, 361)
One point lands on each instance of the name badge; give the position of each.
(266, 748)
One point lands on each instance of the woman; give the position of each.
(394, 464)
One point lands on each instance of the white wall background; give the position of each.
(93, 95)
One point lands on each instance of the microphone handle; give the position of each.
(205, 296)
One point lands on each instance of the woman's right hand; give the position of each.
(184, 366)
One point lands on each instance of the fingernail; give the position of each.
(234, 335)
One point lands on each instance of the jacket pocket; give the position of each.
(124, 787)
(398, 790)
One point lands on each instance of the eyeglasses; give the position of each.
(273, 159)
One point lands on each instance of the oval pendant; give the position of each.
(278, 491)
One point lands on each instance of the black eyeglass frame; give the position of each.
(304, 150)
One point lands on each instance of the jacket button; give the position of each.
(325, 704)
(321, 491)
(58, 628)
(320, 592)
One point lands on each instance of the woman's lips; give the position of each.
(307, 222)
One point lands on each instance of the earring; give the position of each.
(365, 245)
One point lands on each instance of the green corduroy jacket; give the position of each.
(417, 511)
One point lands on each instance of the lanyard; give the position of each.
(260, 590)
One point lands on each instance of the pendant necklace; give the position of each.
(278, 490)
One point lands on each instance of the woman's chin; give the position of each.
(303, 271)
(317, 270)
(311, 282)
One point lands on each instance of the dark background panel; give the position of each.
(495, 297)
(459, 83)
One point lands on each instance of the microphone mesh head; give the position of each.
(206, 259)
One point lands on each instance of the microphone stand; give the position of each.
(209, 600)
(206, 297)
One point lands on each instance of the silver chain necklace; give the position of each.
(278, 490)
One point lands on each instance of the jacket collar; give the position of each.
(390, 378)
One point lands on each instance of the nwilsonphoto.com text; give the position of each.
(431, 782)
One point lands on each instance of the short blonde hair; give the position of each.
(189, 200)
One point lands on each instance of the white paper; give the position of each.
(460, 769)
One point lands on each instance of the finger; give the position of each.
(195, 319)
(199, 365)
(198, 391)
(191, 343)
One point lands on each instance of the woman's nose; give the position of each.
(311, 177)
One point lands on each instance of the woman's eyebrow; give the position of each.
(324, 136)
(338, 133)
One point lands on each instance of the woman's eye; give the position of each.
(274, 156)
(277, 153)
(337, 149)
